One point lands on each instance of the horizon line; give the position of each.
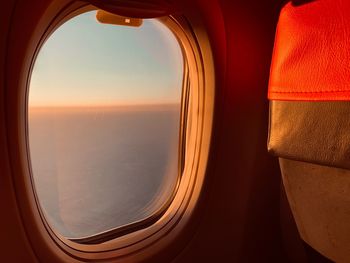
(100, 105)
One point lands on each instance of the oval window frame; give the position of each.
(198, 53)
(155, 216)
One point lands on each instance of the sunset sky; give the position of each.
(85, 63)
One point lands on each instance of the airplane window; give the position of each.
(104, 109)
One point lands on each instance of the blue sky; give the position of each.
(88, 63)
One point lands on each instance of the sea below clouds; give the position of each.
(98, 168)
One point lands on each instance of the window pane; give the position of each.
(104, 114)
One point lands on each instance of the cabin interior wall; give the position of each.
(13, 242)
(241, 214)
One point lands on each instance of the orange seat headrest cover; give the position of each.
(311, 58)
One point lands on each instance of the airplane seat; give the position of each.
(309, 93)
